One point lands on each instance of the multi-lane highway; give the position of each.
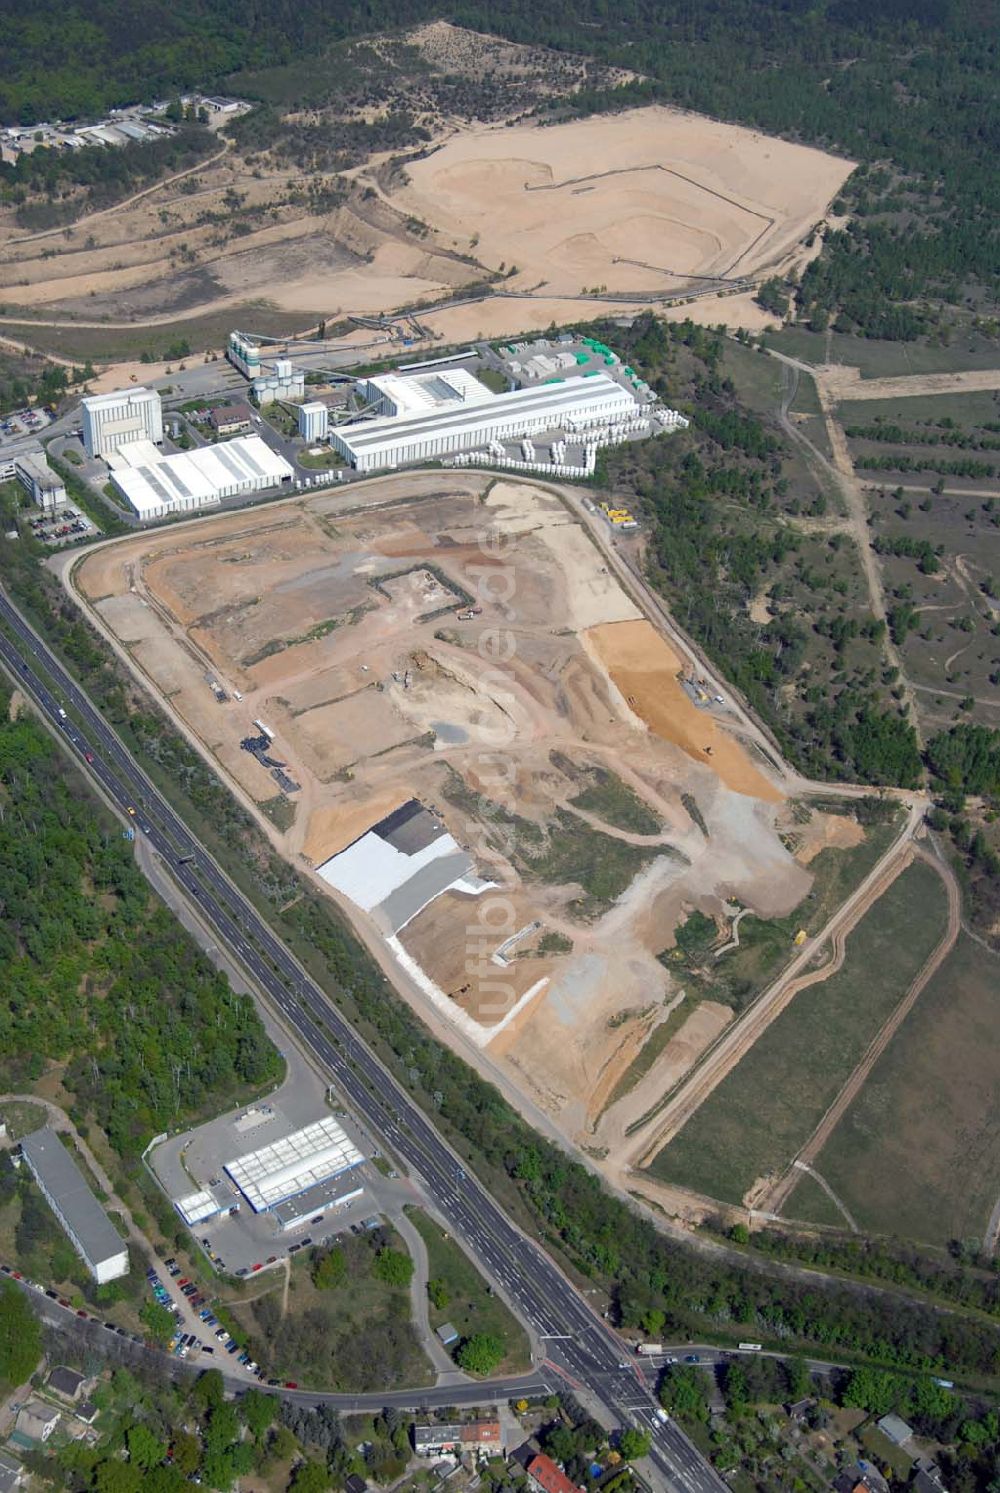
(582, 1350)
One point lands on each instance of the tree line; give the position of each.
(98, 975)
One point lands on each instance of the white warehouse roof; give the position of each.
(196, 1207)
(370, 868)
(424, 392)
(457, 427)
(191, 479)
(289, 1166)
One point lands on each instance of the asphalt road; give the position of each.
(583, 1351)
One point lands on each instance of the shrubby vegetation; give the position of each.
(22, 382)
(20, 1337)
(77, 181)
(353, 1331)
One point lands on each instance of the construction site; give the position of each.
(517, 801)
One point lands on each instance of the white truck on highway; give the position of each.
(649, 1350)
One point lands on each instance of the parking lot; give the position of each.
(237, 1240)
(65, 526)
(23, 422)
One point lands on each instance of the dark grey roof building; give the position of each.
(90, 1230)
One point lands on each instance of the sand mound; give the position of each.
(645, 668)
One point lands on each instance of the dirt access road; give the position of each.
(842, 471)
(738, 1038)
(776, 1198)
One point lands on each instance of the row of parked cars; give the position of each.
(181, 1344)
(51, 527)
(24, 422)
(62, 1301)
(184, 1343)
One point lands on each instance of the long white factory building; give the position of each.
(154, 485)
(574, 405)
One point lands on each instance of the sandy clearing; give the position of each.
(644, 668)
(593, 594)
(499, 317)
(691, 1039)
(841, 382)
(333, 827)
(826, 832)
(634, 203)
(610, 199)
(237, 586)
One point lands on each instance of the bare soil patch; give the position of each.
(340, 630)
(645, 668)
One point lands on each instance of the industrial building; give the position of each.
(294, 1165)
(389, 394)
(197, 1207)
(335, 1193)
(155, 486)
(400, 865)
(572, 405)
(286, 382)
(65, 1188)
(314, 420)
(244, 353)
(113, 420)
(32, 470)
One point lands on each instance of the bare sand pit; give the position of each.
(644, 668)
(637, 201)
(825, 832)
(697, 1033)
(345, 630)
(641, 203)
(500, 317)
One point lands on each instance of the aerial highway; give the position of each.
(583, 1351)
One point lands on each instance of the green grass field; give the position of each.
(918, 1153)
(758, 378)
(119, 344)
(885, 359)
(469, 1306)
(811, 1204)
(967, 410)
(767, 1107)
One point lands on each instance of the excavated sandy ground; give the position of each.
(375, 695)
(645, 669)
(636, 202)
